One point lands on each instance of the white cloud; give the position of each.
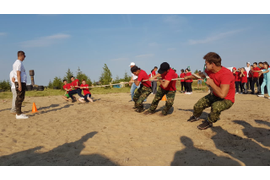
(119, 59)
(144, 55)
(174, 19)
(45, 41)
(3, 34)
(214, 37)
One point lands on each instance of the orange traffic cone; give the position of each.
(34, 108)
(164, 98)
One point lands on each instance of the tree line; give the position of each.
(105, 78)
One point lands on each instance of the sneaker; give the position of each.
(236, 93)
(21, 116)
(193, 118)
(205, 125)
(260, 95)
(149, 112)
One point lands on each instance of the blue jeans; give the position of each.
(132, 89)
(76, 91)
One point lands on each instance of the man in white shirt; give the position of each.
(13, 90)
(20, 84)
(249, 79)
(131, 82)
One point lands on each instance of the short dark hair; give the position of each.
(266, 64)
(213, 57)
(260, 62)
(155, 67)
(20, 53)
(182, 70)
(134, 69)
(83, 80)
(255, 63)
(71, 77)
(64, 80)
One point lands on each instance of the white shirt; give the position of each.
(134, 76)
(18, 66)
(247, 69)
(11, 75)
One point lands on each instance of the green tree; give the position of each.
(68, 75)
(196, 71)
(80, 76)
(116, 80)
(127, 77)
(57, 83)
(50, 85)
(5, 85)
(106, 76)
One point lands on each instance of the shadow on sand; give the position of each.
(67, 154)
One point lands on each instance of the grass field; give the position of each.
(56, 92)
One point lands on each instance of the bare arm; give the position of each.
(154, 77)
(265, 71)
(221, 91)
(19, 80)
(164, 83)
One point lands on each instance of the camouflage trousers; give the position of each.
(216, 103)
(19, 98)
(140, 95)
(169, 103)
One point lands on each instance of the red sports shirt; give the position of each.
(142, 76)
(67, 86)
(256, 74)
(237, 76)
(188, 74)
(169, 76)
(224, 76)
(182, 75)
(153, 73)
(244, 78)
(85, 91)
(74, 83)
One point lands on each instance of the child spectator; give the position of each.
(243, 77)
(236, 74)
(183, 86)
(188, 82)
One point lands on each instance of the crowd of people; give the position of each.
(246, 78)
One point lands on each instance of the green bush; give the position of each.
(5, 85)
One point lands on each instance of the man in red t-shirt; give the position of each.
(255, 79)
(144, 90)
(154, 83)
(76, 85)
(222, 82)
(167, 87)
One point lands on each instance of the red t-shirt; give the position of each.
(169, 76)
(85, 91)
(153, 73)
(142, 76)
(224, 76)
(256, 74)
(188, 74)
(182, 75)
(250, 74)
(244, 78)
(237, 76)
(67, 86)
(74, 83)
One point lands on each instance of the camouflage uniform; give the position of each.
(160, 93)
(20, 97)
(217, 105)
(140, 95)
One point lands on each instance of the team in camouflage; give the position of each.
(140, 95)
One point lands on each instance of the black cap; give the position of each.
(163, 67)
(134, 69)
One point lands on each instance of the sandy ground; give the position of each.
(110, 132)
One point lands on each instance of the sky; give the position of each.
(55, 42)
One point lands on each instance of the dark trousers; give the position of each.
(188, 86)
(255, 81)
(183, 87)
(76, 91)
(249, 79)
(237, 86)
(20, 97)
(244, 88)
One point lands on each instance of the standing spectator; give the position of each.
(183, 86)
(255, 79)
(154, 83)
(188, 82)
(20, 84)
(266, 79)
(199, 85)
(13, 90)
(243, 78)
(261, 76)
(236, 74)
(249, 79)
